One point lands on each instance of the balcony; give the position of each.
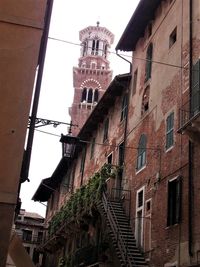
(33, 239)
(190, 118)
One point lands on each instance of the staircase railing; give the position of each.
(124, 197)
(121, 243)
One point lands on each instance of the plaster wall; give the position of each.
(21, 29)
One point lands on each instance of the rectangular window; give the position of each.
(140, 199)
(173, 38)
(149, 57)
(27, 235)
(92, 148)
(105, 130)
(170, 131)
(124, 107)
(174, 201)
(139, 216)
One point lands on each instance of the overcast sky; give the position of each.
(68, 18)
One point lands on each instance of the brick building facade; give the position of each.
(146, 127)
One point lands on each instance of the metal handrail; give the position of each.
(116, 230)
(121, 194)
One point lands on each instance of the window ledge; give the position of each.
(169, 149)
(141, 169)
(171, 226)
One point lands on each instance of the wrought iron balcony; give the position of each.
(190, 118)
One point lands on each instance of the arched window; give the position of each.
(90, 94)
(84, 95)
(96, 95)
(141, 158)
(149, 62)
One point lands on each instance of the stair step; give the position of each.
(135, 257)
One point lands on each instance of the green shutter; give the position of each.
(195, 92)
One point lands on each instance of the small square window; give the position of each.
(173, 38)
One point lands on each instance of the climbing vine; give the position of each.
(83, 200)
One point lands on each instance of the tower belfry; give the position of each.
(93, 75)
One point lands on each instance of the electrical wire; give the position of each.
(124, 55)
(48, 133)
(103, 144)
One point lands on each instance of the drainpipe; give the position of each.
(41, 60)
(125, 60)
(190, 152)
(126, 121)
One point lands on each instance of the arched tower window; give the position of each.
(97, 47)
(84, 49)
(90, 95)
(84, 95)
(149, 56)
(141, 158)
(105, 50)
(93, 47)
(96, 95)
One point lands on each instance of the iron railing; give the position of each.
(124, 197)
(190, 109)
(120, 239)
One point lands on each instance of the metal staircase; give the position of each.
(121, 234)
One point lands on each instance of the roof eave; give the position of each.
(136, 26)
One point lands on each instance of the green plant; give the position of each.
(82, 201)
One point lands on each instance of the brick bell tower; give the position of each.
(93, 75)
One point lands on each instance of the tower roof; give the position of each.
(93, 31)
